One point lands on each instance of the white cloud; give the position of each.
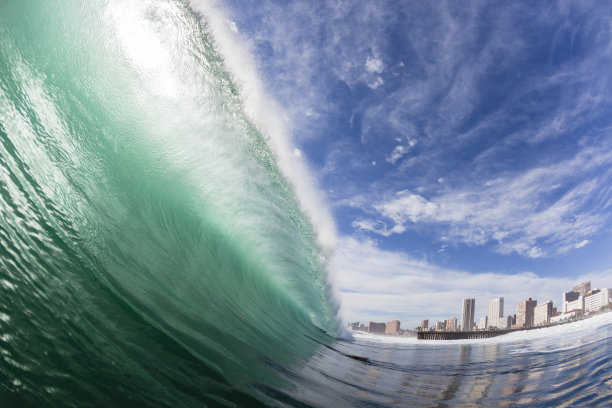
(314, 46)
(528, 213)
(376, 83)
(374, 65)
(582, 243)
(401, 150)
(397, 153)
(379, 285)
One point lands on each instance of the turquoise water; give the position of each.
(153, 253)
(151, 250)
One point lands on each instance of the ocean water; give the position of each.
(560, 366)
(160, 247)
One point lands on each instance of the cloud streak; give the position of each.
(497, 101)
(544, 211)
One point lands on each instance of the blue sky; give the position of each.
(464, 148)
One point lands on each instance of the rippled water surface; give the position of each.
(563, 366)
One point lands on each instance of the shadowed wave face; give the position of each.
(151, 253)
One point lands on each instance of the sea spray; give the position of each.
(152, 252)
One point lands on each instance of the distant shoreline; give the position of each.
(483, 334)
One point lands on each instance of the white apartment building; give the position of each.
(496, 311)
(504, 322)
(567, 298)
(597, 300)
(542, 313)
(577, 304)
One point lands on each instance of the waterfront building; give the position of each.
(577, 304)
(568, 297)
(424, 323)
(542, 313)
(440, 325)
(583, 288)
(467, 314)
(496, 311)
(565, 316)
(524, 313)
(483, 323)
(393, 327)
(378, 328)
(451, 324)
(504, 322)
(353, 326)
(597, 300)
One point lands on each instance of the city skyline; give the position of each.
(526, 313)
(481, 310)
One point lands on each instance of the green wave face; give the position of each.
(151, 251)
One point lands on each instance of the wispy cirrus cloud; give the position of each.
(540, 212)
(459, 119)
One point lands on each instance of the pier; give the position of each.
(461, 335)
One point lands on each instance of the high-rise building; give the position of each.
(570, 296)
(524, 313)
(451, 324)
(483, 323)
(377, 327)
(577, 304)
(467, 314)
(393, 327)
(597, 300)
(440, 325)
(496, 311)
(504, 322)
(573, 299)
(353, 326)
(583, 288)
(424, 324)
(542, 313)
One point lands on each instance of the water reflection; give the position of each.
(505, 374)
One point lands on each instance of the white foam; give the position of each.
(346, 334)
(269, 118)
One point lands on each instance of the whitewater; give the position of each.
(162, 245)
